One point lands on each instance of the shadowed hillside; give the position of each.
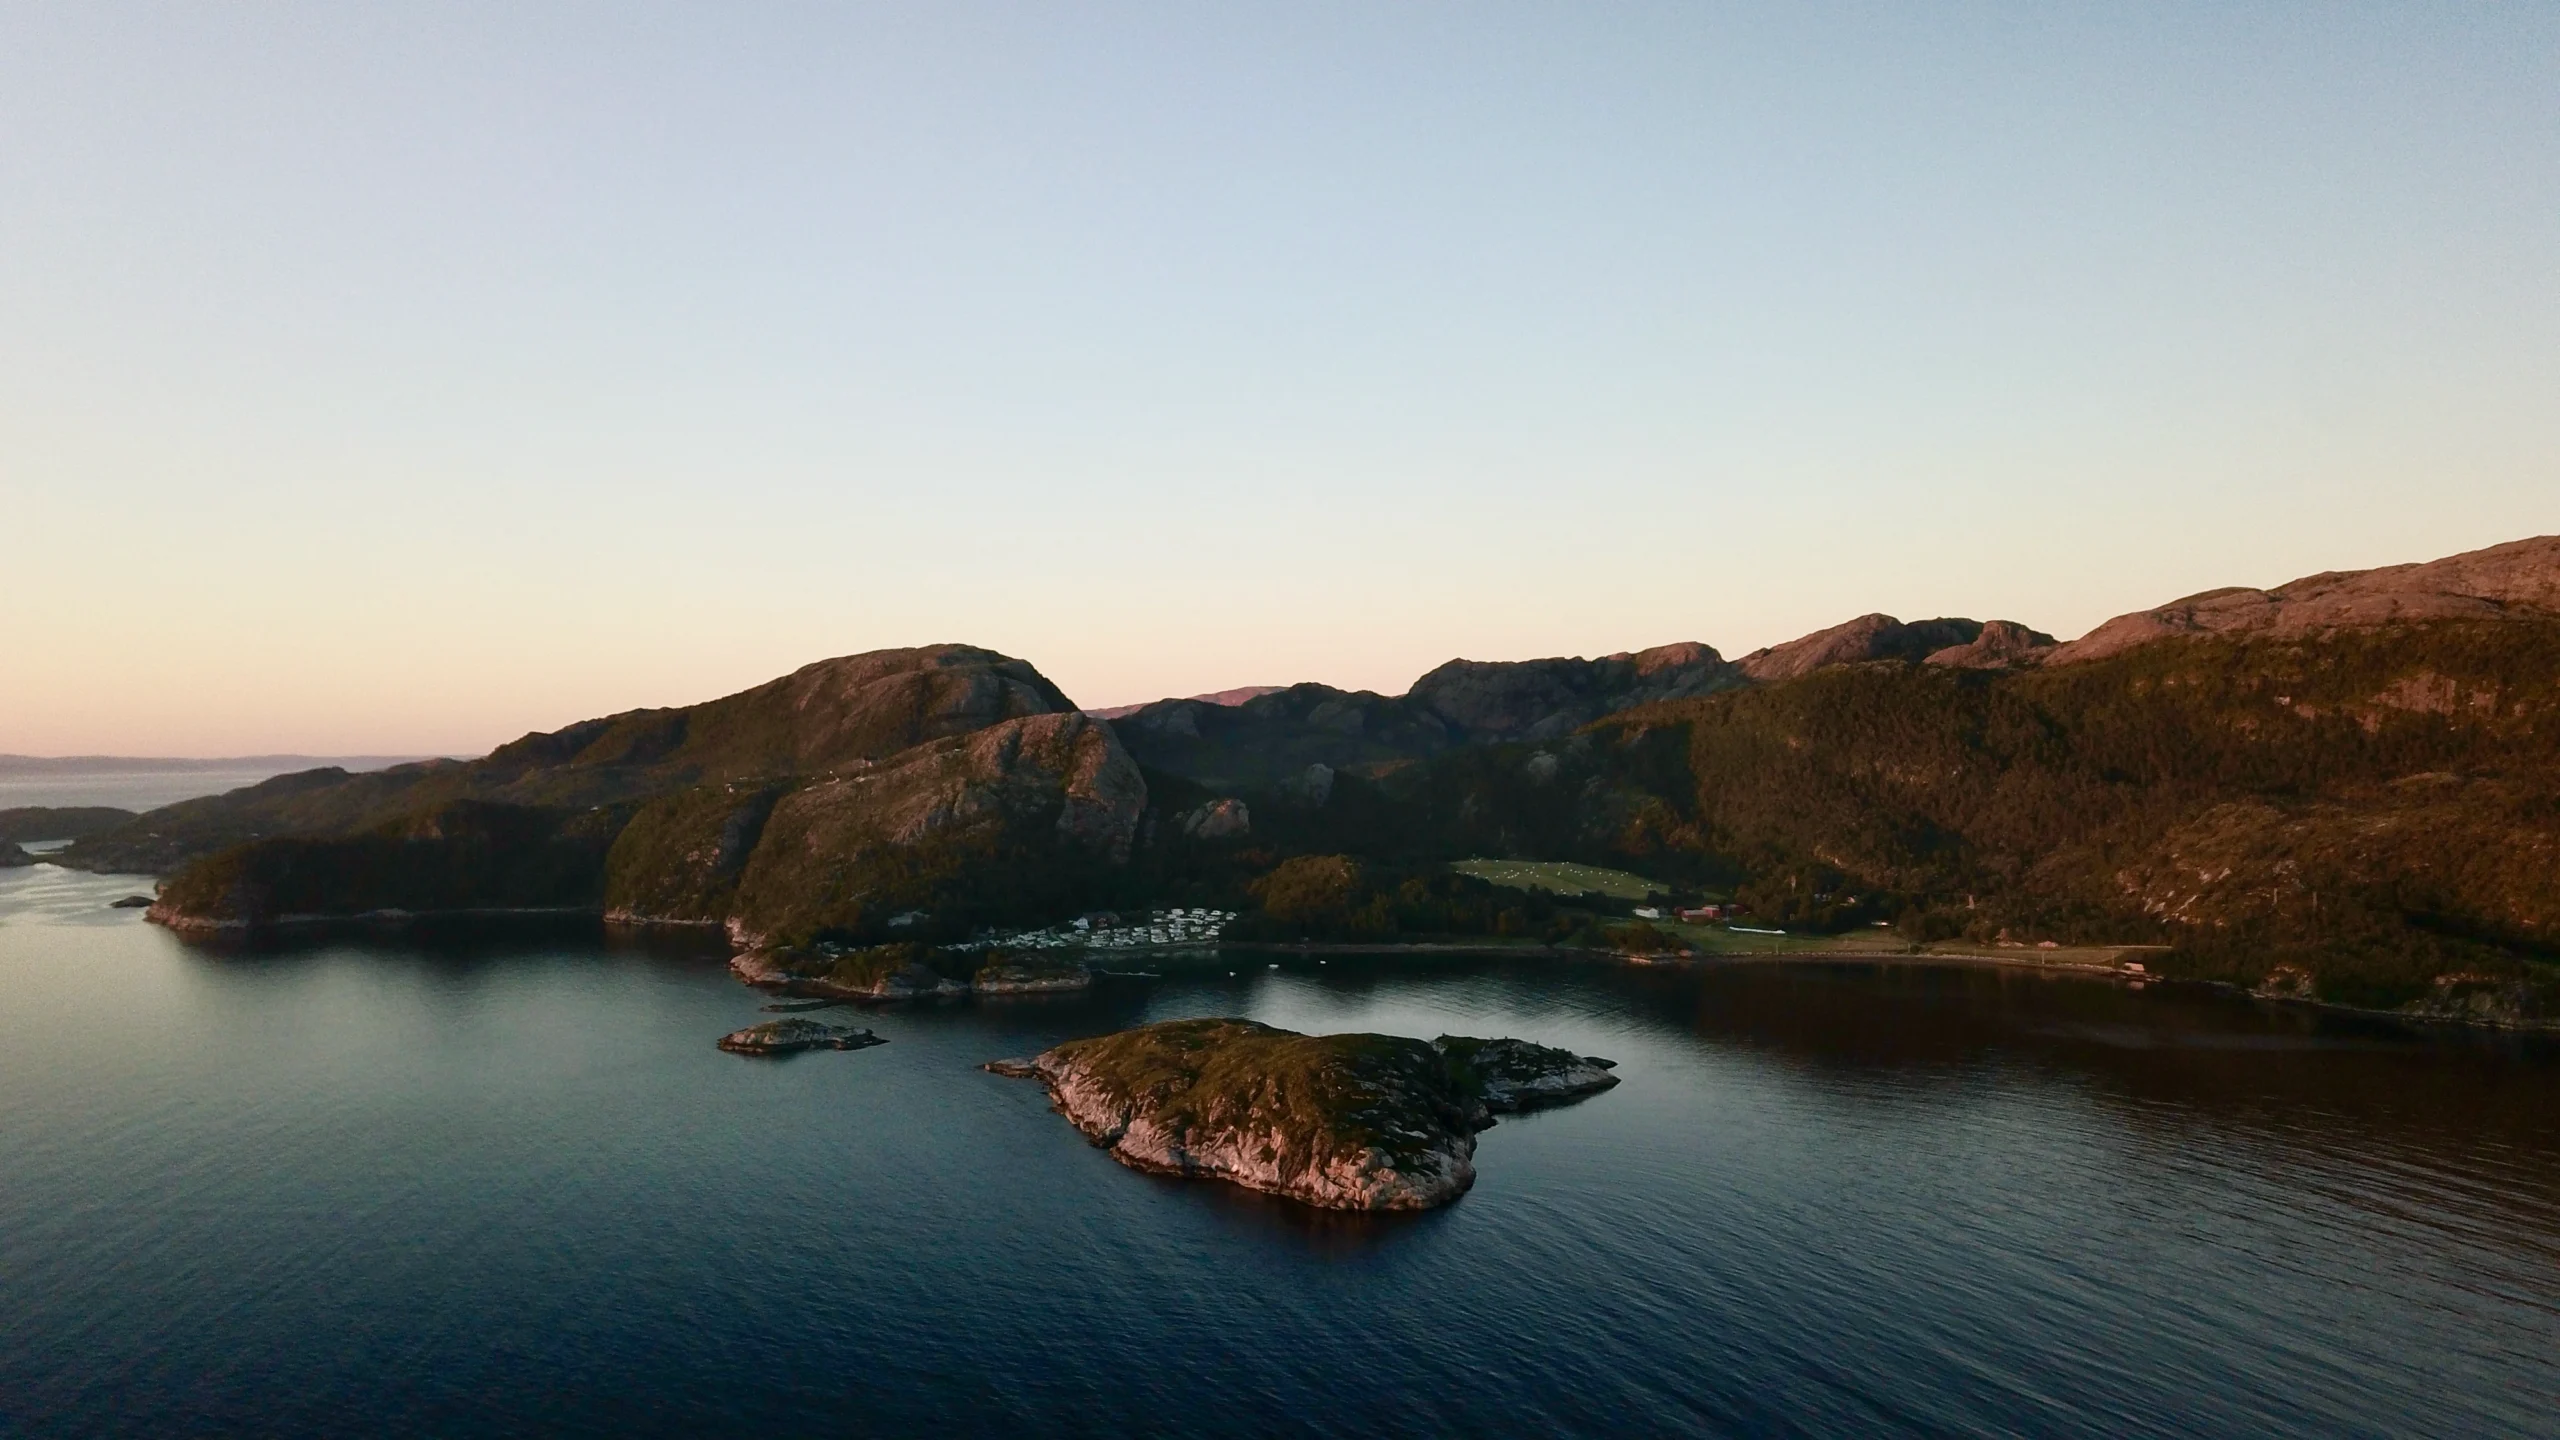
(820, 718)
(938, 781)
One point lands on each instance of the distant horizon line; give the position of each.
(10, 762)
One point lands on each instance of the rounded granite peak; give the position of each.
(2520, 577)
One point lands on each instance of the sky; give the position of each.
(401, 379)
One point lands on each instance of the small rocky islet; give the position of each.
(1342, 1122)
(784, 1037)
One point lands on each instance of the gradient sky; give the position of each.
(403, 378)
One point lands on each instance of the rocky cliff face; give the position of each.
(2520, 578)
(1346, 1122)
(847, 852)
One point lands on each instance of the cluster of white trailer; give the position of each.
(1181, 925)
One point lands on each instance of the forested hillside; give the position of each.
(2376, 807)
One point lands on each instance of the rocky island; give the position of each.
(1345, 1122)
(782, 1037)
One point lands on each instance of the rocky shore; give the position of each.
(1344, 1122)
(1042, 976)
(902, 972)
(1515, 1075)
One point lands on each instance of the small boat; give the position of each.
(1101, 974)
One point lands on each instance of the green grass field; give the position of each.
(1561, 876)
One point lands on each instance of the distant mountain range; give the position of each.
(1236, 696)
(2347, 786)
(154, 765)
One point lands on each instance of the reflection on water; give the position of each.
(458, 1184)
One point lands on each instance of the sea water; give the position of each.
(508, 1186)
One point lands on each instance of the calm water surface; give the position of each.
(509, 1187)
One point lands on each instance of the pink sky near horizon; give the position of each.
(402, 381)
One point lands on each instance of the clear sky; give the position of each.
(406, 377)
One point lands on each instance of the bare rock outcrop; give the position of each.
(1222, 819)
(1869, 637)
(1516, 1075)
(2521, 577)
(1486, 700)
(2001, 645)
(827, 715)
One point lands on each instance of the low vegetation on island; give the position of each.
(1345, 1122)
(783, 1037)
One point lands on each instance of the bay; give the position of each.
(507, 1185)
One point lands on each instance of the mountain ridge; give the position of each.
(2353, 783)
